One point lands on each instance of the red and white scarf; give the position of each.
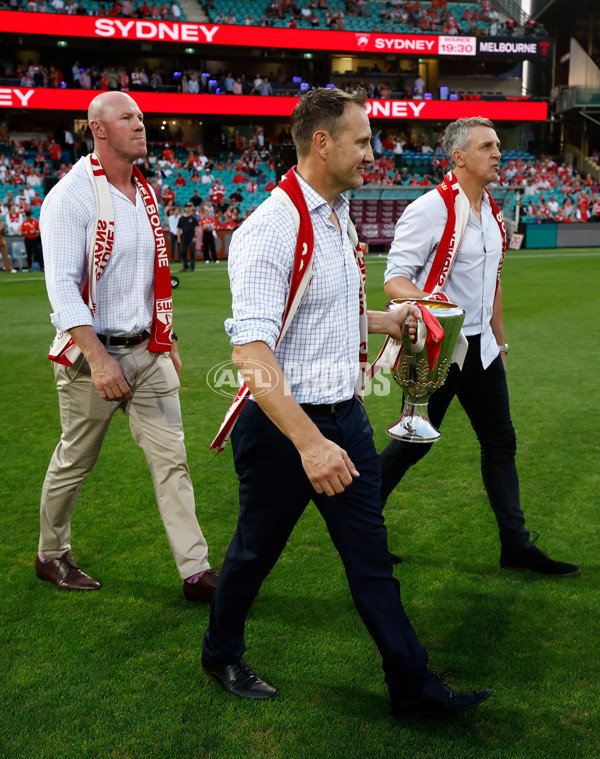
(458, 207)
(63, 350)
(290, 193)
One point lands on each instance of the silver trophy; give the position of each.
(413, 373)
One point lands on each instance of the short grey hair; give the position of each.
(457, 136)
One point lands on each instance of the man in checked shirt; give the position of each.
(121, 365)
(308, 437)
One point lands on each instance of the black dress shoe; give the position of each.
(534, 560)
(395, 559)
(438, 700)
(238, 679)
(203, 589)
(65, 574)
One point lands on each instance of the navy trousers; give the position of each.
(483, 393)
(274, 491)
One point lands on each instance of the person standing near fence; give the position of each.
(30, 229)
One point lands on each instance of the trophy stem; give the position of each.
(414, 425)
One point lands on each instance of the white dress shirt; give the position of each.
(125, 291)
(319, 353)
(472, 280)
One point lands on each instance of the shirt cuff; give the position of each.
(250, 331)
(72, 316)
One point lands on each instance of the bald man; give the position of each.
(115, 347)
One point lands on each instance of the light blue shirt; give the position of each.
(319, 353)
(471, 283)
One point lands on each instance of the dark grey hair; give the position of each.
(322, 108)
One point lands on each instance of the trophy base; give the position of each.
(414, 425)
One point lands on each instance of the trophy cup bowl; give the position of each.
(414, 376)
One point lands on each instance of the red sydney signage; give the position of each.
(189, 33)
(233, 105)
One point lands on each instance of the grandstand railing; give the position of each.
(577, 97)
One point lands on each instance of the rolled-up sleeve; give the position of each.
(415, 240)
(63, 227)
(261, 257)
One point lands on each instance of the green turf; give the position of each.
(117, 673)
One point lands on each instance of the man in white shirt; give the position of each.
(480, 385)
(121, 365)
(305, 436)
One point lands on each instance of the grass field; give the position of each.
(116, 674)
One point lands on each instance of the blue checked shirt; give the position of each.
(319, 353)
(125, 291)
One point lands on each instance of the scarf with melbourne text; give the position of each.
(63, 350)
(458, 207)
(290, 193)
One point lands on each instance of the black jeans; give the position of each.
(188, 245)
(483, 393)
(208, 245)
(274, 491)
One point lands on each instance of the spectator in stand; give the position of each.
(228, 83)
(186, 238)
(217, 192)
(168, 196)
(236, 196)
(85, 80)
(137, 79)
(553, 205)
(207, 177)
(180, 180)
(569, 209)
(258, 80)
(195, 200)
(14, 219)
(419, 87)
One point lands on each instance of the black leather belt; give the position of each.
(325, 408)
(124, 341)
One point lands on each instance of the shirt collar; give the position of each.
(315, 201)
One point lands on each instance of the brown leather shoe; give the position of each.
(204, 589)
(65, 574)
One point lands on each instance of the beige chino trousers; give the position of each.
(154, 417)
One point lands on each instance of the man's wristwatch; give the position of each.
(503, 348)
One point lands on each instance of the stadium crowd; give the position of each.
(222, 189)
(406, 16)
(403, 16)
